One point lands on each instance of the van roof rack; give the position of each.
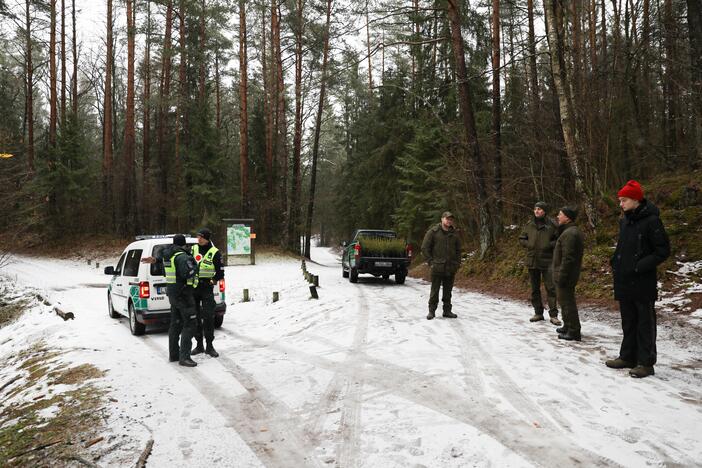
(157, 236)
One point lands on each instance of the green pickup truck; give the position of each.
(376, 252)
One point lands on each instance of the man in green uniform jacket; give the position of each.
(441, 249)
(539, 238)
(567, 262)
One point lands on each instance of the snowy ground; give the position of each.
(361, 378)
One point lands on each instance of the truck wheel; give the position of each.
(400, 278)
(110, 309)
(218, 321)
(135, 327)
(344, 273)
(353, 275)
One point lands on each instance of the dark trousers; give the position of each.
(205, 307)
(446, 283)
(182, 325)
(535, 275)
(639, 327)
(569, 309)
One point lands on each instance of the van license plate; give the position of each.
(160, 289)
(383, 264)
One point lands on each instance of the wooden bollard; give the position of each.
(313, 292)
(275, 296)
(97, 264)
(315, 280)
(89, 261)
(246, 295)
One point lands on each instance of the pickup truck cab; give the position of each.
(138, 290)
(376, 252)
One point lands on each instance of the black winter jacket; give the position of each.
(643, 244)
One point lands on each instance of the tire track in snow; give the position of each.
(263, 422)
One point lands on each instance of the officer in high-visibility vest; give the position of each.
(210, 271)
(181, 273)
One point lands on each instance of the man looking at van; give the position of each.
(210, 271)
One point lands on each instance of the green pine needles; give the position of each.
(382, 247)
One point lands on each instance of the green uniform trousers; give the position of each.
(569, 309)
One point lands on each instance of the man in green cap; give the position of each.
(441, 249)
(539, 238)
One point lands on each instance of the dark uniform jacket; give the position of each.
(442, 250)
(643, 244)
(568, 256)
(539, 237)
(186, 268)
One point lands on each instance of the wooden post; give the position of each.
(276, 297)
(313, 292)
(246, 295)
(315, 280)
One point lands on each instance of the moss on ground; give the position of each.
(48, 429)
(679, 197)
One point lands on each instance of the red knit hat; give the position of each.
(632, 190)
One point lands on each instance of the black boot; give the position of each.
(211, 351)
(562, 329)
(198, 349)
(187, 362)
(431, 315)
(569, 336)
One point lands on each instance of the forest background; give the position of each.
(316, 117)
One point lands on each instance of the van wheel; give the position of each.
(135, 327)
(110, 309)
(353, 275)
(344, 272)
(218, 321)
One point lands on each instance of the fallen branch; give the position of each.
(94, 441)
(141, 463)
(63, 314)
(80, 460)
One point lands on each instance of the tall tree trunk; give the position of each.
(181, 122)
(565, 100)
(533, 75)
(202, 72)
(694, 21)
(496, 118)
(317, 131)
(281, 116)
(30, 91)
(74, 81)
(52, 76)
(146, 127)
(63, 62)
(128, 224)
(164, 106)
(293, 229)
(107, 121)
(670, 87)
(368, 48)
(218, 96)
(268, 110)
(243, 115)
(465, 104)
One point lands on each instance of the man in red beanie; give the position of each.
(643, 244)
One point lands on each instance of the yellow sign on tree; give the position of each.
(6, 155)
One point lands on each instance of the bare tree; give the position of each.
(317, 131)
(465, 104)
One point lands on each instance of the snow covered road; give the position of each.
(361, 378)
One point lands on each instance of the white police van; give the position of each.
(138, 290)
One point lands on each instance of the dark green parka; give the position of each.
(442, 250)
(568, 256)
(539, 238)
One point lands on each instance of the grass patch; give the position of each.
(39, 427)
